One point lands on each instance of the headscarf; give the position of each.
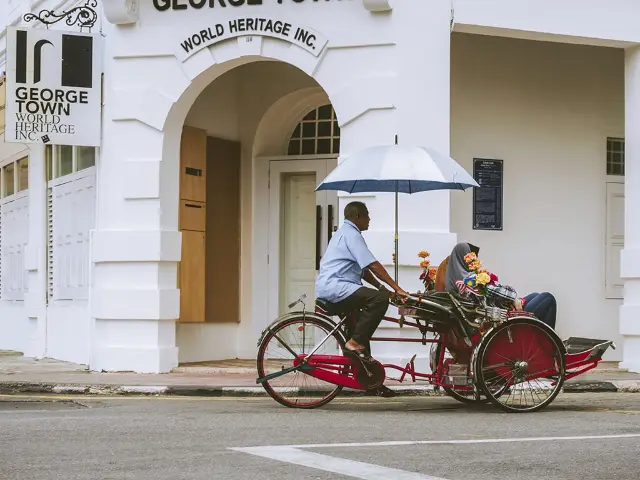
(457, 268)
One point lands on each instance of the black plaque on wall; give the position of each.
(487, 200)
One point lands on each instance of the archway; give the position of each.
(230, 209)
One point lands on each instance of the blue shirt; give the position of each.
(341, 267)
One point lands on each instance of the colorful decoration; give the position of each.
(478, 279)
(428, 274)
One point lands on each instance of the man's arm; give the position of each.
(379, 271)
(371, 279)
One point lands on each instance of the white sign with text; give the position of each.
(302, 36)
(54, 87)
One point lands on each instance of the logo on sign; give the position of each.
(76, 61)
(53, 87)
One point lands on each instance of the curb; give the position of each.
(17, 388)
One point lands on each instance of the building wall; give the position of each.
(546, 109)
(543, 108)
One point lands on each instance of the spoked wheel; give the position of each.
(299, 335)
(466, 396)
(469, 397)
(524, 360)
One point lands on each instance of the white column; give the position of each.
(35, 255)
(423, 36)
(630, 258)
(136, 248)
(422, 117)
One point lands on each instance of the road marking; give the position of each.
(465, 441)
(367, 471)
(351, 468)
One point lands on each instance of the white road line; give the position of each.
(465, 441)
(367, 471)
(351, 468)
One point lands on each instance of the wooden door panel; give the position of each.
(193, 164)
(223, 231)
(192, 277)
(193, 216)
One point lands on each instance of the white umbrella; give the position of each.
(399, 169)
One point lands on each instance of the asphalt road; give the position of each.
(250, 439)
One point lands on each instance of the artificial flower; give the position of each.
(425, 264)
(423, 254)
(475, 265)
(483, 278)
(470, 257)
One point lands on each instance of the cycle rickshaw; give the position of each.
(480, 352)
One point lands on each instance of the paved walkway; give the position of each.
(23, 374)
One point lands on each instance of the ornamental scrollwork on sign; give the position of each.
(83, 16)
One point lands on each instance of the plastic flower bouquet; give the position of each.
(428, 273)
(478, 279)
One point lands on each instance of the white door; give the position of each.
(301, 222)
(614, 239)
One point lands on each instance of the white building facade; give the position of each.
(196, 220)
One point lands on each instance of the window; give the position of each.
(615, 156)
(14, 177)
(86, 157)
(318, 133)
(23, 174)
(8, 180)
(64, 160)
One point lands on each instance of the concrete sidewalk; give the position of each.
(19, 374)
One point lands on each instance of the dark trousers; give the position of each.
(543, 306)
(373, 305)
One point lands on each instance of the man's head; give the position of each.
(358, 214)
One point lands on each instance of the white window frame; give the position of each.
(17, 195)
(52, 294)
(74, 163)
(12, 159)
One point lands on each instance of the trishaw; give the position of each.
(480, 351)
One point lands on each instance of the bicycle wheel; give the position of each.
(301, 335)
(524, 359)
(463, 396)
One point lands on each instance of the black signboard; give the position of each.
(487, 200)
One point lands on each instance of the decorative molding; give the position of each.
(121, 12)
(83, 16)
(378, 5)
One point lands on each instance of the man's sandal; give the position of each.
(360, 355)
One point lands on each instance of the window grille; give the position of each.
(615, 156)
(318, 133)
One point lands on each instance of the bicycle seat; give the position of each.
(329, 308)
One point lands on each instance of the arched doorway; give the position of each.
(234, 139)
(301, 220)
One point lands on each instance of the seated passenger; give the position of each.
(542, 305)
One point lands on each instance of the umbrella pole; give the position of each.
(396, 233)
(396, 236)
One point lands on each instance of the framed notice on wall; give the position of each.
(487, 200)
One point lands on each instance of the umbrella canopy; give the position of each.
(398, 168)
